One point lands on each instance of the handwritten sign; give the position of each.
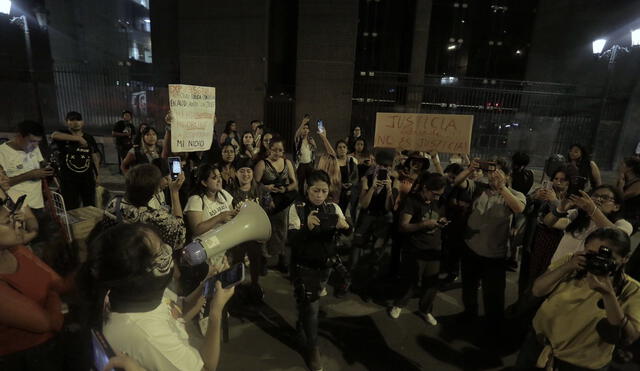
(193, 109)
(424, 132)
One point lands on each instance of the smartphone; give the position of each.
(382, 174)
(102, 351)
(576, 184)
(16, 206)
(547, 184)
(175, 167)
(487, 165)
(320, 126)
(231, 277)
(327, 221)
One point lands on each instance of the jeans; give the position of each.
(302, 173)
(307, 284)
(76, 193)
(414, 271)
(368, 225)
(492, 273)
(276, 244)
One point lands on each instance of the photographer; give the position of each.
(313, 226)
(420, 224)
(586, 213)
(591, 306)
(376, 203)
(487, 238)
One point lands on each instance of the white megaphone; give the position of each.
(251, 224)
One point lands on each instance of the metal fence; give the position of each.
(540, 118)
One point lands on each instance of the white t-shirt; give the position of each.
(305, 152)
(223, 202)
(155, 339)
(17, 163)
(294, 219)
(574, 242)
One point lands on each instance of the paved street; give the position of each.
(355, 335)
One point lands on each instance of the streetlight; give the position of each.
(612, 54)
(5, 7)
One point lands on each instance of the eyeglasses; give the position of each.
(602, 197)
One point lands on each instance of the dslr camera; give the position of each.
(600, 263)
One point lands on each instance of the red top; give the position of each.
(29, 303)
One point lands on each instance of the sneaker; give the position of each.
(323, 292)
(394, 312)
(315, 360)
(431, 319)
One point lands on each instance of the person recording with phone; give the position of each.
(305, 151)
(487, 237)
(125, 284)
(582, 213)
(376, 203)
(591, 306)
(541, 241)
(142, 183)
(30, 310)
(313, 228)
(420, 226)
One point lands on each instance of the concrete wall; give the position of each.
(326, 55)
(223, 44)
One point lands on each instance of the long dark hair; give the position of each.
(365, 150)
(583, 220)
(204, 172)
(243, 147)
(115, 255)
(430, 181)
(227, 128)
(584, 164)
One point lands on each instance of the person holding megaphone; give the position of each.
(313, 228)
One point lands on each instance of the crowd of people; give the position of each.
(336, 210)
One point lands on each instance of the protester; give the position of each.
(78, 161)
(244, 189)
(21, 159)
(629, 185)
(142, 183)
(522, 178)
(487, 238)
(362, 155)
(277, 175)
(313, 225)
(148, 151)
(541, 241)
(209, 205)
(586, 213)
(580, 160)
(227, 165)
(263, 153)
(376, 203)
(123, 132)
(247, 146)
(305, 153)
(230, 135)
(457, 205)
(420, 223)
(257, 129)
(129, 266)
(30, 310)
(345, 174)
(587, 311)
(138, 138)
(355, 135)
